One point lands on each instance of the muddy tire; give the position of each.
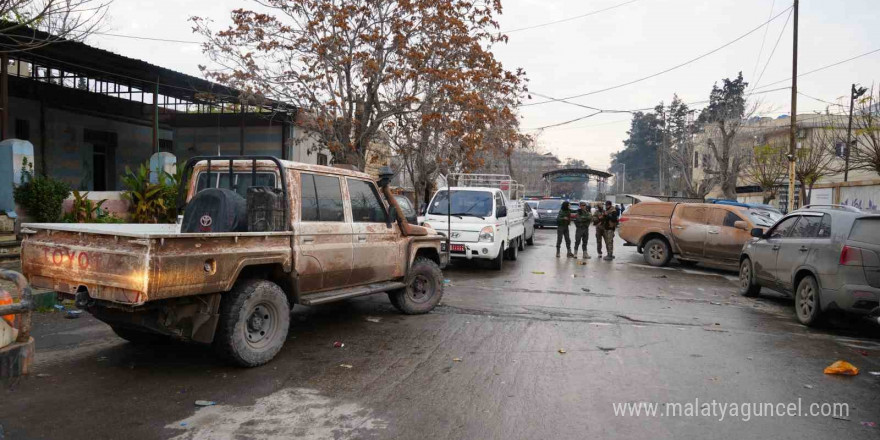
(498, 262)
(521, 243)
(806, 302)
(254, 319)
(139, 337)
(531, 240)
(747, 284)
(423, 291)
(657, 252)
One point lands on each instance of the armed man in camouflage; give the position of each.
(582, 228)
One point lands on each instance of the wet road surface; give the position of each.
(486, 364)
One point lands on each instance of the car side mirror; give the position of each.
(502, 212)
(757, 232)
(741, 225)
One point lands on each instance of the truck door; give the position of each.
(794, 248)
(323, 234)
(689, 229)
(723, 241)
(376, 246)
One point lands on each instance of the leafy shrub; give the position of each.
(152, 202)
(89, 211)
(41, 196)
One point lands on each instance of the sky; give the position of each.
(625, 43)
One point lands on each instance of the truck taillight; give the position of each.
(850, 256)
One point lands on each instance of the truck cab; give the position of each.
(482, 222)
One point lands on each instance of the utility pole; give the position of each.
(854, 93)
(660, 155)
(792, 136)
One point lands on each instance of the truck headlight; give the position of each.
(487, 234)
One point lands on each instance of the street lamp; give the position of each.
(855, 93)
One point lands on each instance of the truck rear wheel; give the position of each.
(657, 252)
(423, 291)
(139, 337)
(254, 319)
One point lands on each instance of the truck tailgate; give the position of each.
(111, 267)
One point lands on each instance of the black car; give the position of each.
(547, 210)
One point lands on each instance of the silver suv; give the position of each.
(828, 256)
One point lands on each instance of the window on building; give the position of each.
(166, 144)
(321, 199)
(366, 205)
(322, 159)
(23, 129)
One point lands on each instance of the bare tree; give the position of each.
(865, 153)
(767, 168)
(816, 158)
(59, 19)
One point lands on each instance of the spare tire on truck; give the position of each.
(215, 210)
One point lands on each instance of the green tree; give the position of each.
(767, 168)
(641, 147)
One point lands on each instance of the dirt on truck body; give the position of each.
(258, 237)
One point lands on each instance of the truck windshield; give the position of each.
(470, 203)
(764, 218)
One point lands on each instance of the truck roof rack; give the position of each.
(843, 207)
(504, 182)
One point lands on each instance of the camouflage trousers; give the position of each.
(581, 235)
(608, 235)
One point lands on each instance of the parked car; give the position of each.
(408, 209)
(529, 223)
(827, 256)
(486, 222)
(692, 232)
(231, 272)
(547, 211)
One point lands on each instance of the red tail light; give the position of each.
(850, 256)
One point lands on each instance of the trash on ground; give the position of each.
(809, 387)
(182, 423)
(562, 351)
(447, 281)
(73, 314)
(537, 272)
(714, 303)
(338, 344)
(456, 359)
(373, 319)
(874, 373)
(205, 403)
(843, 368)
(43, 375)
(841, 418)
(585, 289)
(345, 366)
(869, 424)
(59, 307)
(661, 276)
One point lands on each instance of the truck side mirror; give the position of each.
(502, 212)
(739, 224)
(757, 232)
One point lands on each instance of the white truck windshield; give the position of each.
(463, 203)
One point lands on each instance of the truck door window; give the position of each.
(807, 227)
(321, 198)
(499, 201)
(366, 205)
(731, 218)
(781, 229)
(694, 214)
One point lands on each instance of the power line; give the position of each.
(136, 37)
(570, 18)
(669, 69)
(821, 100)
(822, 68)
(772, 52)
(763, 40)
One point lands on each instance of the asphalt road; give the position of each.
(486, 364)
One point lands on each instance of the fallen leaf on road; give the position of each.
(373, 319)
(843, 368)
(43, 375)
(345, 366)
(456, 359)
(537, 272)
(562, 351)
(585, 289)
(809, 387)
(874, 373)
(338, 344)
(205, 403)
(661, 276)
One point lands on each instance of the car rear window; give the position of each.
(550, 204)
(866, 230)
(764, 218)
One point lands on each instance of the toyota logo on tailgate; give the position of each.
(206, 221)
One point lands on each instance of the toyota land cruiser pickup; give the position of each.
(257, 236)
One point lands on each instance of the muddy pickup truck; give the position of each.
(693, 232)
(257, 236)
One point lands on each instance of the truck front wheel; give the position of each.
(657, 252)
(254, 319)
(423, 291)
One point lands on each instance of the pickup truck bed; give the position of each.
(132, 263)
